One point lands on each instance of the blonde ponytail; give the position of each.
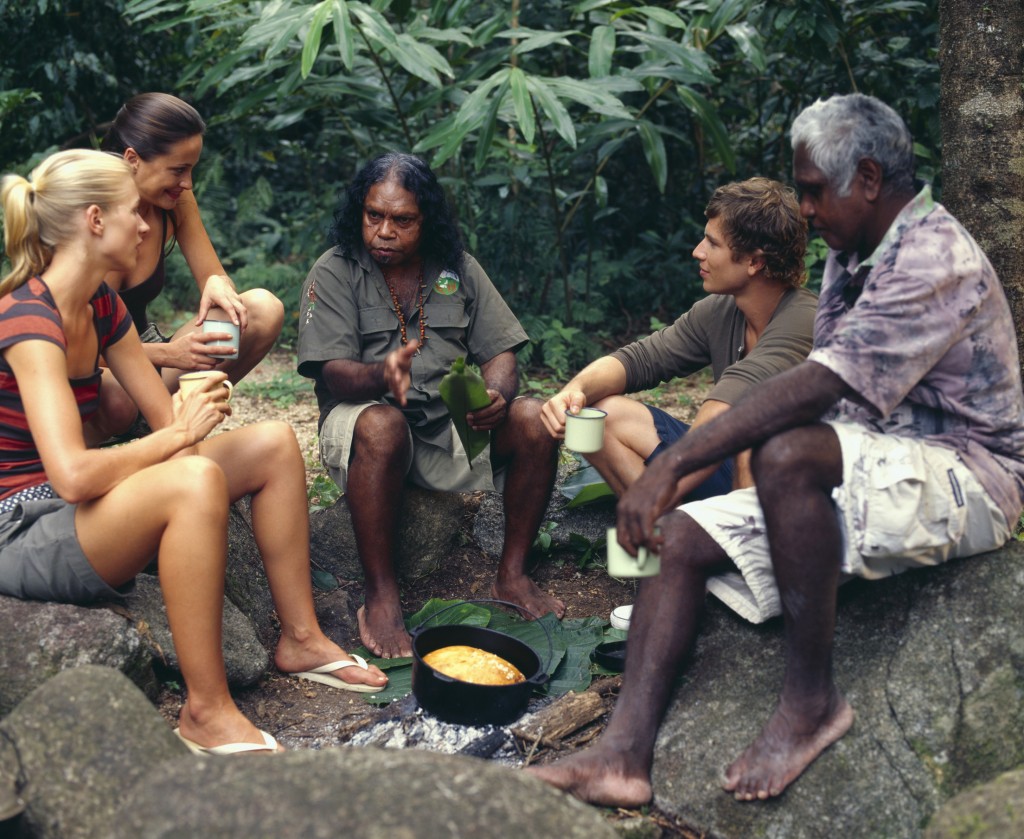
(39, 210)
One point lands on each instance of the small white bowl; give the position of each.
(621, 616)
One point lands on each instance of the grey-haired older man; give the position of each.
(898, 443)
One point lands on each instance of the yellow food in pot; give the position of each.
(473, 665)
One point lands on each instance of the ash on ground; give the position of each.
(410, 727)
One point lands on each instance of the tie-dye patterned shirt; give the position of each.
(921, 330)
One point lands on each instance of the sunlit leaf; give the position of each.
(343, 32)
(311, 47)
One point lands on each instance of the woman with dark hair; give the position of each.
(78, 523)
(161, 138)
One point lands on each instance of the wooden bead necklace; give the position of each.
(401, 315)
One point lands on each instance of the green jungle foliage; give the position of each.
(579, 141)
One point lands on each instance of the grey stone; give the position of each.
(369, 793)
(245, 582)
(430, 524)
(82, 740)
(931, 662)
(591, 521)
(991, 811)
(245, 658)
(42, 639)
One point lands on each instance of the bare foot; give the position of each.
(294, 656)
(786, 746)
(384, 634)
(526, 593)
(598, 776)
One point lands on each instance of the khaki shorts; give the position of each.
(903, 504)
(429, 466)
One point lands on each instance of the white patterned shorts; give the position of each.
(902, 504)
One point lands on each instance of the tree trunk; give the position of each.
(982, 65)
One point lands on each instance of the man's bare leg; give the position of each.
(530, 455)
(629, 439)
(617, 770)
(376, 476)
(795, 474)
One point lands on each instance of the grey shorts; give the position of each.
(903, 504)
(40, 558)
(429, 466)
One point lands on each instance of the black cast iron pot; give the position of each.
(464, 703)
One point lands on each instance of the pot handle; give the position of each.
(547, 633)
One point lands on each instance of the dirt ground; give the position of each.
(302, 713)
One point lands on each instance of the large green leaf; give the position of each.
(311, 47)
(554, 109)
(522, 103)
(654, 151)
(602, 48)
(343, 33)
(712, 123)
(595, 94)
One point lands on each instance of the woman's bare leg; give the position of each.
(264, 461)
(178, 510)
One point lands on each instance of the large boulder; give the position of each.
(369, 793)
(429, 528)
(991, 811)
(245, 658)
(42, 639)
(82, 740)
(93, 758)
(932, 662)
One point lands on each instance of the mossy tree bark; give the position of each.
(981, 56)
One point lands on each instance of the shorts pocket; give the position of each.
(911, 508)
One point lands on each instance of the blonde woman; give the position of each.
(77, 524)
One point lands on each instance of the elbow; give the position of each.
(72, 486)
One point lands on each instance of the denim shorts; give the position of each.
(40, 558)
(669, 430)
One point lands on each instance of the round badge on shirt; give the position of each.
(447, 282)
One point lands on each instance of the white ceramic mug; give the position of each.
(217, 320)
(584, 432)
(621, 564)
(190, 382)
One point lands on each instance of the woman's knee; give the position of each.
(198, 484)
(265, 311)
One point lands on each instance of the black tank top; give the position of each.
(139, 296)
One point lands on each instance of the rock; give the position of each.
(82, 740)
(42, 639)
(991, 811)
(369, 793)
(931, 662)
(245, 658)
(590, 521)
(429, 527)
(245, 582)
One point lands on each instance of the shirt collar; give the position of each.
(915, 210)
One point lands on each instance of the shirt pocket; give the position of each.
(450, 324)
(378, 328)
